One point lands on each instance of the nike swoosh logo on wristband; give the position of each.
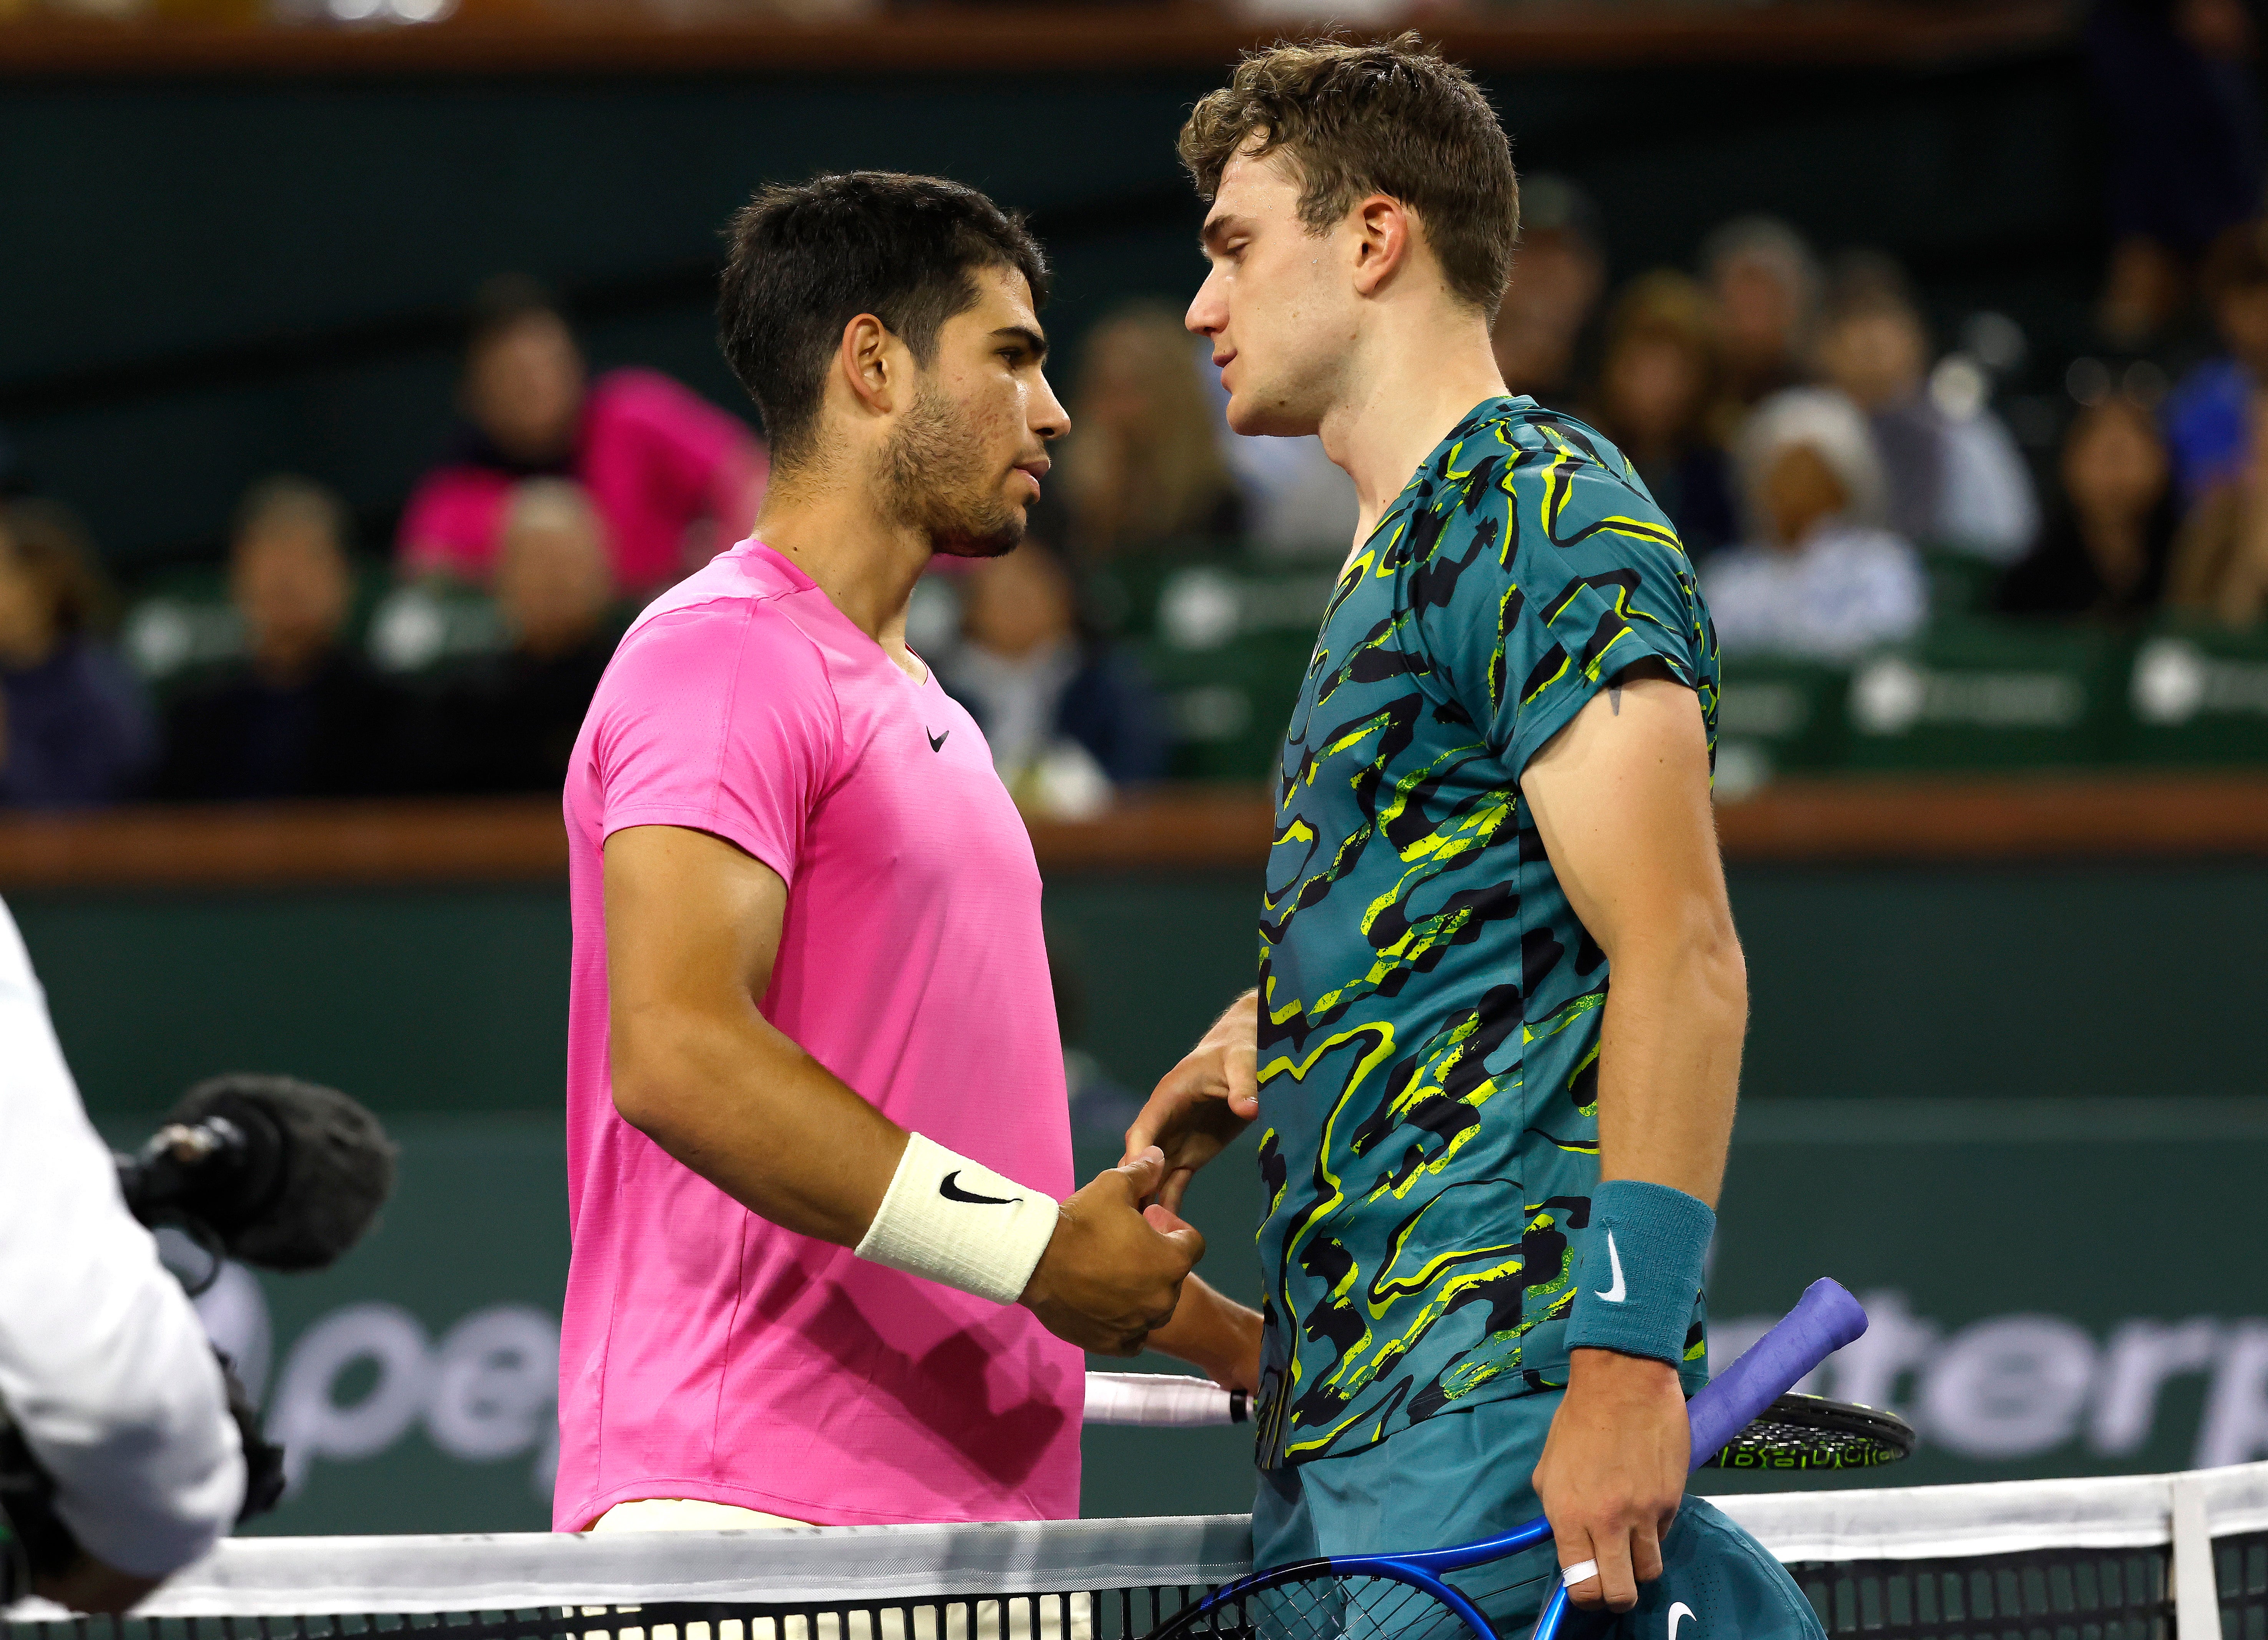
(1616, 1293)
(953, 1192)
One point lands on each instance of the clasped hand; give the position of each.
(1201, 1105)
(1113, 1270)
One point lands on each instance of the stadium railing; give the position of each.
(2145, 1557)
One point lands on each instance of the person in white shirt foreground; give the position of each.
(104, 1366)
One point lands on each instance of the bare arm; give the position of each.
(1621, 799)
(1201, 1105)
(693, 928)
(1214, 1334)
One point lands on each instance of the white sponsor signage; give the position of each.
(365, 1376)
(2021, 1386)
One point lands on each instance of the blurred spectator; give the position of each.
(507, 721)
(1559, 274)
(1143, 465)
(2185, 153)
(1953, 480)
(2220, 559)
(2209, 415)
(1767, 285)
(1065, 717)
(675, 478)
(74, 727)
(1658, 385)
(1821, 578)
(2104, 551)
(1101, 1105)
(1299, 503)
(300, 715)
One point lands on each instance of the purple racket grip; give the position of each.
(1824, 1320)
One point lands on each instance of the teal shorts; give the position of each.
(1462, 1476)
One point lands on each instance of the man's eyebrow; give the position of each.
(1031, 339)
(1216, 229)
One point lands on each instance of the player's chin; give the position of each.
(990, 537)
(1253, 420)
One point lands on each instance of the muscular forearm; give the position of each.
(1214, 1334)
(740, 1104)
(1669, 1059)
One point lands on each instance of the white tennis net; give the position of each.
(2126, 1558)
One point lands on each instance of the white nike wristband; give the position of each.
(950, 1220)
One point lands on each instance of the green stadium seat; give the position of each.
(1198, 602)
(417, 627)
(173, 629)
(1228, 706)
(181, 620)
(2196, 694)
(1987, 695)
(1960, 583)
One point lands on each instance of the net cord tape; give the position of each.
(288, 1576)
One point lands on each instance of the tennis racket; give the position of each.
(1813, 1432)
(1794, 1432)
(1402, 1596)
(1162, 1401)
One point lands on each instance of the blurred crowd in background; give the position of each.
(1834, 454)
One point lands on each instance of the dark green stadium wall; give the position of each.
(1869, 984)
(212, 280)
(2020, 1110)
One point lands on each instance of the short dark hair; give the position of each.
(808, 258)
(2237, 260)
(1389, 117)
(51, 545)
(285, 496)
(504, 301)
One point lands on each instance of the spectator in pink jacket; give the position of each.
(676, 479)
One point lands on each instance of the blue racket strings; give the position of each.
(1403, 1596)
(1369, 1597)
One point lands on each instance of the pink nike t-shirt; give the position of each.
(705, 1352)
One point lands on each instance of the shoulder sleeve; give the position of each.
(721, 718)
(103, 1364)
(1549, 577)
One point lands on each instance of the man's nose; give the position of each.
(1050, 419)
(1207, 313)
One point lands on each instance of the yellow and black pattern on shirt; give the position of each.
(1430, 1004)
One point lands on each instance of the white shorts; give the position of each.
(1042, 1617)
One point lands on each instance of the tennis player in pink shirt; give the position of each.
(824, 1268)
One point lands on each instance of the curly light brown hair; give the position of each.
(1386, 117)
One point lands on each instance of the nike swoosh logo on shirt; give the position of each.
(1616, 1293)
(953, 1192)
(1680, 1613)
(936, 742)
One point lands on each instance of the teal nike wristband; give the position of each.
(1641, 1270)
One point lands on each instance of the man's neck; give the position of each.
(1412, 379)
(827, 525)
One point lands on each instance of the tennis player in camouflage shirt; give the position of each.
(1490, 1173)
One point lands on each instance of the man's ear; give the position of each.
(873, 363)
(1383, 228)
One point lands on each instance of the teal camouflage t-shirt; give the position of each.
(1430, 1005)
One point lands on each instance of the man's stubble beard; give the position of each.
(935, 479)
